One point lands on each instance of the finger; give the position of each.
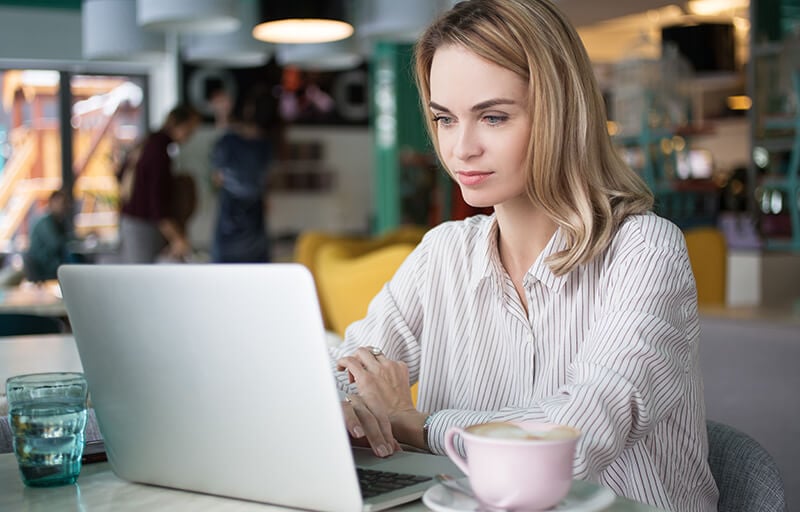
(369, 360)
(340, 368)
(351, 420)
(386, 430)
(381, 446)
(354, 366)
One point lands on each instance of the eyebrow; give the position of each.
(478, 106)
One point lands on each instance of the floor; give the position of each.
(751, 383)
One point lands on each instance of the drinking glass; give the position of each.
(47, 414)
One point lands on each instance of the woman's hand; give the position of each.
(366, 429)
(384, 396)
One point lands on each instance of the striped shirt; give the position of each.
(609, 348)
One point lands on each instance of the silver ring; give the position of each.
(375, 351)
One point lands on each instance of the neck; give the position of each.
(524, 232)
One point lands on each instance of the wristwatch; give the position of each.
(426, 427)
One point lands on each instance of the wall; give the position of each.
(346, 208)
(52, 39)
(47, 34)
(728, 141)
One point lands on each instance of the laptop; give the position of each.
(216, 379)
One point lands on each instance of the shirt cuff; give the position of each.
(441, 421)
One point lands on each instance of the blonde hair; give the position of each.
(574, 172)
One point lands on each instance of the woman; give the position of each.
(149, 222)
(571, 304)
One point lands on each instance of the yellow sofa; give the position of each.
(350, 271)
(310, 245)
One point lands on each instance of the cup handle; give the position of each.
(450, 448)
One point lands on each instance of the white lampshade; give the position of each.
(110, 32)
(188, 16)
(232, 49)
(333, 56)
(392, 20)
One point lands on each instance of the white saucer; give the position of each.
(582, 497)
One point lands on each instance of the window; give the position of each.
(107, 119)
(107, 116)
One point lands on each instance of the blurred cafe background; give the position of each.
(702, 99)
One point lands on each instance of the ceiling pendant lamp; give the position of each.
(303, 21)
(235, 49)
(334, 56)
(188, 16)
(109, 32)
(392, 20)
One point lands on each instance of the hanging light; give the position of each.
(333, 56)
(110, 32)
(392, 20)
(233, 49)
(303, 21)
(187, 16)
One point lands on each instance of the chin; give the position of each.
(477, 200)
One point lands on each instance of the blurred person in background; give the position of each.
(48, 243)
(240, 160)
(153, 218)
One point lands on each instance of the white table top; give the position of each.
(34, 354)
(35, 299)
(98, 489)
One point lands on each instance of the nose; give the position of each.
(467, 144)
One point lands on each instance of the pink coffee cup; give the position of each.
(516, 465)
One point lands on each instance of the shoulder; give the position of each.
(154, 146)
(462, 234)
(648, 233)
(159, 138)
(457, 248)
(646, 247)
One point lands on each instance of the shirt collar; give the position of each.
(541, 270)
(486, 259)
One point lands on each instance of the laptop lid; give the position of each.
(216, 378)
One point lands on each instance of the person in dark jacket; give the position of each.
(48, 241)
(240, 159)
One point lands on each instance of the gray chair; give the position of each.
(746, 475)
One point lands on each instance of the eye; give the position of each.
(494, 120)
(442, 120)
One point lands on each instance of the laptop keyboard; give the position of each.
(374, 482)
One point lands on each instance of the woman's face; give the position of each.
(483, 125)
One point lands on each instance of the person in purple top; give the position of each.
(148, 224)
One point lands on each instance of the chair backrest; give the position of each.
(746, 474)
(310, 244)
(708, 255)
(17, 324)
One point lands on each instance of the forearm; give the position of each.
(170, 230)
(407, 428)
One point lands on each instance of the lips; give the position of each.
(472, 178)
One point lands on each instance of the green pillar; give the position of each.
(398, 126)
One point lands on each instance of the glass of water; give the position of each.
(47, 414)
